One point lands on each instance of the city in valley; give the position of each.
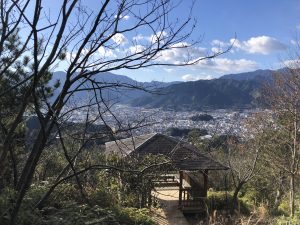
(148, 120)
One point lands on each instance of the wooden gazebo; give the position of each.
(192, 165)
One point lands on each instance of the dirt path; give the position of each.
(168, 214)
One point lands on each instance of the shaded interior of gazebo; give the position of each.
(191, 166)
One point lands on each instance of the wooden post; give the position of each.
(205, 182)
(180, 187)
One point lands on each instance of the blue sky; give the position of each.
(264, 29)
(264, 32)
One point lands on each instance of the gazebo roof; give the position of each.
(184, 156)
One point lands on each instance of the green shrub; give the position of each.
(65, 192)
(283, 220)
(284, 208)
(5, 203)
(135, 216)
(219, 200)
(78, 214)
(222, 200)
(102, 198)
(35, 192)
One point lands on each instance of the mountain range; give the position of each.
(229, 91)
(123, 93)
(257, 75)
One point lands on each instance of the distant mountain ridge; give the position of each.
(204, 94)
(230, 91)
(258, 75)
(118, 94)
(240, 90)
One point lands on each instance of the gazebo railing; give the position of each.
(195, 202)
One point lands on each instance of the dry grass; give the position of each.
(259, 216)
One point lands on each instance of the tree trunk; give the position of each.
(205, 183)
(278, 197)
(29, 168)
(279, 194)
(292, 195)
(235, 196)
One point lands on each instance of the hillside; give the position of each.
(229, 91)
(258, 75)
(240, 90)
(204, 94)
(120, 94)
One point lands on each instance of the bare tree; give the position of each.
(282, 95)
(242, 160)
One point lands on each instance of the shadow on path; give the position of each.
(168, 213)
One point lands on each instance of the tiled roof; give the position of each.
(124, 147)
(184, 156)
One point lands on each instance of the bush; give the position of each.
(219, 200)
(65, 207)
(5, 203)
(135, 216)
(284, 210)
(283, 220)
(102, 198)
(222, 200)
(78, 214)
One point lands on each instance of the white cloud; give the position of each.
(169, 70)
(70, 56)
(227, 65)
(216, 50)
(293, 42)
(105, 52)
(154, 38)
(256, 45)
(262, 45)
(126, 17)
(192, 77)
(136, 49)
(158, 37)
(292, 63)
(119, 39)
(138, 37)
(218, 43)
(219, 46)
(180, 53)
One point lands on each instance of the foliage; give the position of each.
(204, 94)
(202, 117)
(284, 208)
(178, 132)
(63, 209)
(195, 134)
(222, 200)
(135, 216)
(191, 134)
